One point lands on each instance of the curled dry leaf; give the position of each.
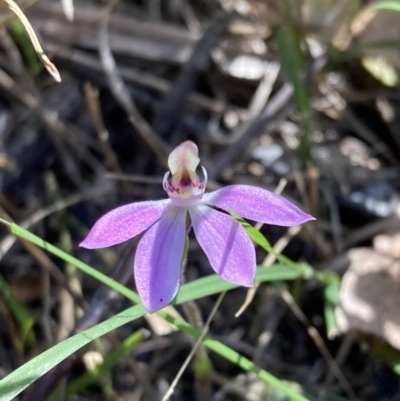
(369, 295)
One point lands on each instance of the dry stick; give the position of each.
(271, 257)
(337, 101)
(98, 307)
(55, 128)
(368, 135)
(344, 350)
(159, 147)
(335, 221)
(45, 262)
(44, 212)
(139, 178)
(189, 15)
(19, 68)
(171, 107)
(98, 16)
(202, 364)
(239, 386)
(320, 344)
(51, 68)
(94, 107)
(5, 21)
(68, 7)
(367, 232)
(194, 349)
(147, 80)
(275, 106)
(274, 314)
(258, 101)
(322, 244)
(279, 247)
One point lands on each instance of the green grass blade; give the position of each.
(214, 284)
(21, 378)
(28, 52)
(292, 57)
(18, 380)
(261, 241)
(331, 301)
(25, 322)
(25, 234)
(206, 286)
(384, 5)
(234, 357)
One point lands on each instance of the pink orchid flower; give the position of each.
(230, 251)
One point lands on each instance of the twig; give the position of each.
(193, 351)
(44, 261)
(190, 17)
(336, 100)
(95, 17)
(308, 199)
(51, 68)
(142, 179)
(118, 89)
(277, 103)
(93, 103)
(278, 248)
(344, 350)
(144, 79)
(370, 230)
(320, 344)
(172, 105)
(274, 310)
(57, 130)
(99, 305)
(5, 21)
(268, 261)
(368, 135)
(19, 68)
(68, 7)
(337, 232)
(44, 212)
(259, 100)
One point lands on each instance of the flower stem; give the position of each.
(202, 366)
(202, 363)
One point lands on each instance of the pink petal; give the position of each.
(257, 204)
(184, 157)
(158, 259)
(226, 244)
(124, 223)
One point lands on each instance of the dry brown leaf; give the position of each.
(370, 291)
(160, 326)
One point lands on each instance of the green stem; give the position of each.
(202, 363)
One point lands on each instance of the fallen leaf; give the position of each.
(370, 291)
